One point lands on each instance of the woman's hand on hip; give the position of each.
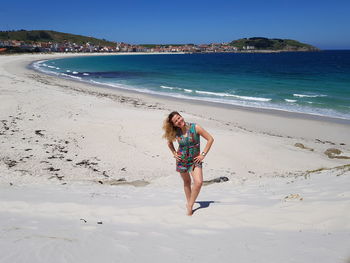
(177, 156)
(198, 159)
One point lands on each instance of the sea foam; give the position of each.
(309, 96)
(232, 95)
(171, 88)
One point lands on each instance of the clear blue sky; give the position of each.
(325, 24)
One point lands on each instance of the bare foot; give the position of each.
(189, 210)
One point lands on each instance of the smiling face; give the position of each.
(178, 121)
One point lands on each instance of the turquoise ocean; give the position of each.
(316, 83)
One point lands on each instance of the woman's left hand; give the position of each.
(198, 159)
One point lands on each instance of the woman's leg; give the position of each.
(187, 185)
(197, 175)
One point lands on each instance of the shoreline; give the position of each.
(272, 111)
(248, 117)
(257, 123)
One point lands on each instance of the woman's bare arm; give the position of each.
(206, 135)
(173, 151)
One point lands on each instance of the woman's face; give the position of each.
(178, 121)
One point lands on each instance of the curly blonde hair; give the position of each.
(169, 128)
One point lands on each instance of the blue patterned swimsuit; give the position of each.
(189, 147)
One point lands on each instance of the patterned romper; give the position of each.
(189, 147)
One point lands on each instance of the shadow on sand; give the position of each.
(204, 204)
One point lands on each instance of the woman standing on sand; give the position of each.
(188, 156)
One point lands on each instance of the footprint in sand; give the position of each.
(293, 197)
(333, 153)
(302, 146)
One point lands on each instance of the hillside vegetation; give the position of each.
(51, 36)
(244, 44)
(263, 43)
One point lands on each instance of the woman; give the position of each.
(188, 157)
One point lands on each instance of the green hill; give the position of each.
(262, 43)
(51, 36)
(254, 43)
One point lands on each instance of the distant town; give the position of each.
(52, 41)
(119, 47)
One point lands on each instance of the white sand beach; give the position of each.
(85, 176)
